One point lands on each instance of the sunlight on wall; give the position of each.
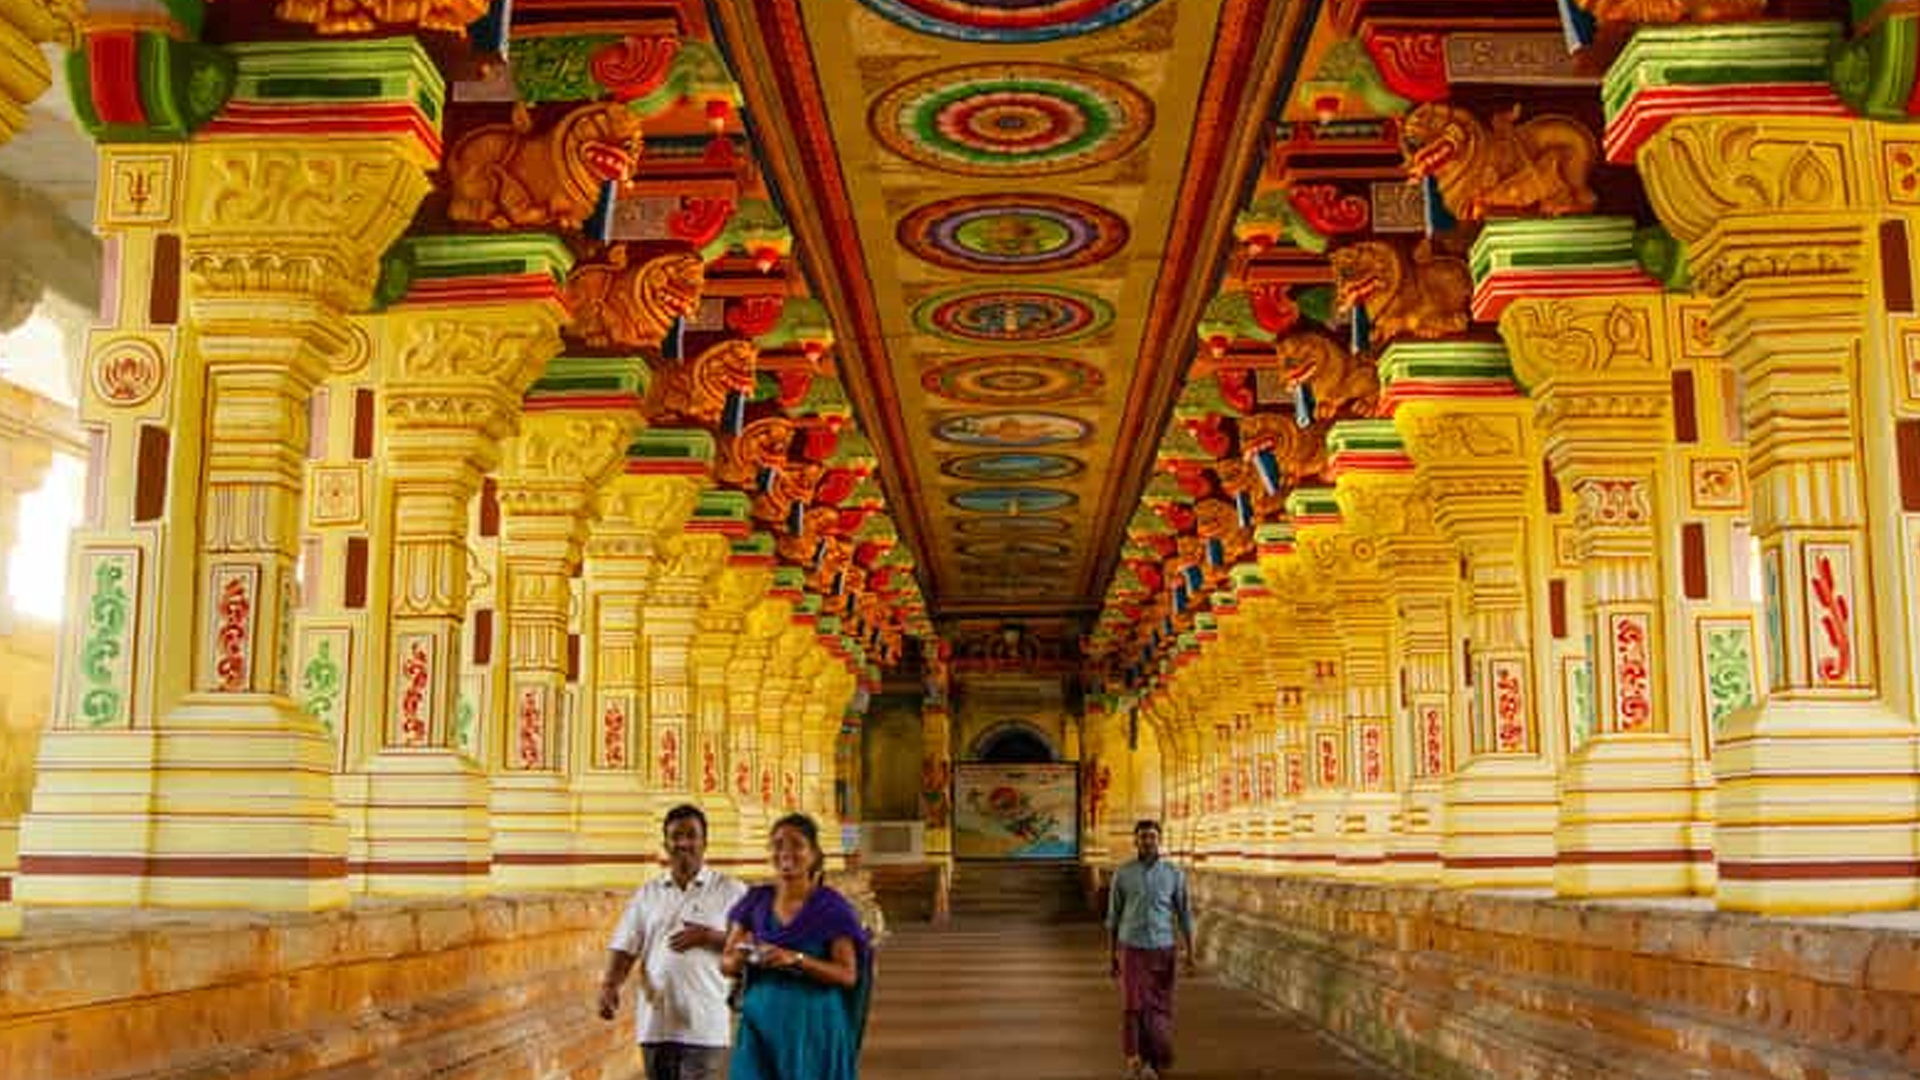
(34, 355)
(37, 565)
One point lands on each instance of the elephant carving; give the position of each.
(1506, 168)
(614, 303)
(1421, 295)
(506, 176)
(1340, 381)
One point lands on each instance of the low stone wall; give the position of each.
(500, 988)
(1507, 987)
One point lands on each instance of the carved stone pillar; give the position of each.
(738, 587)
(1786, 225)
(936, 781)
(1469, 435)
(1349, 556)
(454, 365)
(671, 619)
(637, 514)
(192, 778)
(564, 453)
(1599, 371)
(1380, 497)
(747, 672)
(1318, 816)
(1288, 669)
(24, 74)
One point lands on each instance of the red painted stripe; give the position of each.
(734, 529)
(1650, 110)
(421, 867)
(492, 288)
(1813, 871)
(1496, 862)
(1661, 855)
(113, 77)
(6, 888)
(243, 117)
(182, 866)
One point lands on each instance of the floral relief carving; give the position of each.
(1613, 503)
(1560, 337)
(1700, 170)
(1453, 436)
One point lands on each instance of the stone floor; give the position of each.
(1035, 1003)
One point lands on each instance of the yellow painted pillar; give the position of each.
(24, 74)
(1471, 438)
(1348, 557)
(24, 461)
(564, 453)
(637, 513)
(747, 672)
(1600, 372)
(1318, 816)
(1286, 663)
(454, 363)
(740, 585)
(1381, 498)
(1798, 230)
(936, 781)
(192, 778)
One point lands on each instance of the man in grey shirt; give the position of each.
(1146, 903)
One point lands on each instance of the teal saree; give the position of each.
(791, 1027)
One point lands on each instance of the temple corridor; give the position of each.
(1013, 1001)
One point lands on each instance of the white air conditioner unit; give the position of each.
(884, 842)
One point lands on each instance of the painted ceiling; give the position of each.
(1015, 210)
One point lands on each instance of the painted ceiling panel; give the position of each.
(1013, 177)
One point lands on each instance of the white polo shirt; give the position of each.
(681, 997)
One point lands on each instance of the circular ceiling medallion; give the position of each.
(1023, 548)
(1001, 526)
(1001, 468)
(1008, 22)
(1013, 316)
(1012, 234)
(1013, 500)
(1011, 119)
(1013, 380)
(1012, 430)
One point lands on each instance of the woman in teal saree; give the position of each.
(807, 966)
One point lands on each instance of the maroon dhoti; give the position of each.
(1146, 993)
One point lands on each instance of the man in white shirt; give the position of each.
(674, 927)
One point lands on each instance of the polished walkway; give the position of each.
(1035, 1003)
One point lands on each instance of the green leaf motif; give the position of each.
(1729, 672)
(320, 684)
(1580, 704)
(463, 724)
(558, 68)
(106, 629)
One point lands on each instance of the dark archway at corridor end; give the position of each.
(1016, 746)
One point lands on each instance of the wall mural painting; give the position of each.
(1011, 119)
(1007, 22)
(1012, 430)
(1013, 500)
(1001, 526)
(1013, 380)
(1000, 468)
(1000, 316)
(1012, 234)
(1016, 811)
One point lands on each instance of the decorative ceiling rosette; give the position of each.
(1011, 119)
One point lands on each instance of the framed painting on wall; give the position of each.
(1016, 811)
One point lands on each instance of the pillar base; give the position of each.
(1627, 805)
(1413, 851)
(425, 830)
(618, 837)
(229, 805)
(533, 831)
(1815, 809)
(725, 847)
(1316, 834)
(1366, 828)
(1501, 813)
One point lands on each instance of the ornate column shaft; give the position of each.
(1317, 815)
(454, 364)
(1473, 447)
(637, 513)
(936, 781)
(740, 586)
(1599, 368)
(747, 673)
(1287, 670)
(220, 790)
(1782, 219)
(565, 451)
(676, 744)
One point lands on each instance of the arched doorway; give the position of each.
(1014, 742)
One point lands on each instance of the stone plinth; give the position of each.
(1469, 985)
(498, 988)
